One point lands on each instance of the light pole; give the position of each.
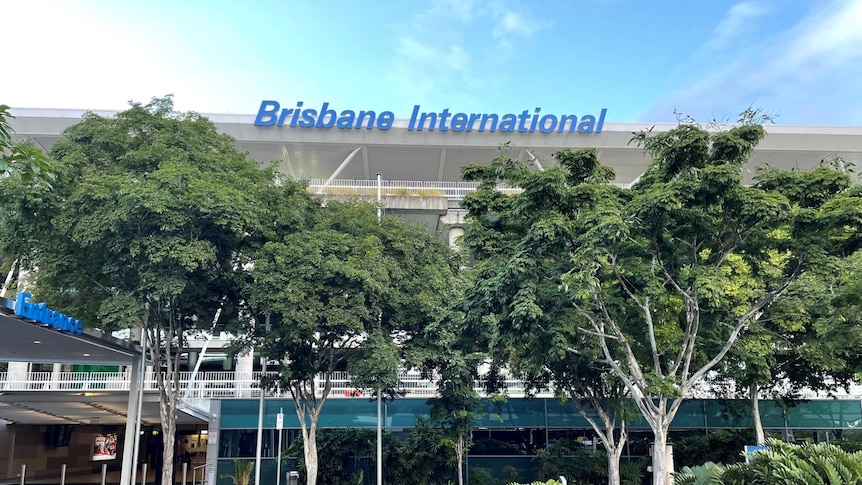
(379, 391)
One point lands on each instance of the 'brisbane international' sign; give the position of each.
(272, 114)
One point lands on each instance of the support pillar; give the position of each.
(132, 423)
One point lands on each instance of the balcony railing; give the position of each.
(394, 188)
(208, 385)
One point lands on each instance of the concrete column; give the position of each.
(454, 234)
(244, 368)
(17, 373)
(132, 432)
(213, 436)
(55, 376)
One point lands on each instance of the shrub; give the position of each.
(783, 463)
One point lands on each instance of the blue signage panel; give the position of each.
(42, 314)
(271, 113)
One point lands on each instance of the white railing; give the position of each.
(393, 188)
(218, 384)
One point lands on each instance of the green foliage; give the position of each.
(580, 465)
(652, 284)
(243, 470)
(23, 160)
(782, 463)
(549, 482)
(343, 277)
(347, 454)
(146, 226)
(423, 459)
(482, 476)
(145, 220)
(720, 446)
(706, 474)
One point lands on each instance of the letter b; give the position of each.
(266, 115)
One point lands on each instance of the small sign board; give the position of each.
(749, 449)
(279, 421)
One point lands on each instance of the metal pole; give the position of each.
(137, 446)
(280, 434)
(23, 472)
(259, 433)
(379, 391)
(104, 473)
(63, 474)
(185, 471)
(144, 473)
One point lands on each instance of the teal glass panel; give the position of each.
(515, 413)
(402, 413)
(354, 412)
(728, 413)
(564, 415)
(243, 413)
(771, 413)
(825, 414)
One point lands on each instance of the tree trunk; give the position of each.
(760, 436)
(169, 432)
(310, 450)
(662, 458)
(459, 449)
(614, 463)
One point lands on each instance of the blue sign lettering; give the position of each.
(271, 113)
(42, 314)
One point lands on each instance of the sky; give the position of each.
(643, 61)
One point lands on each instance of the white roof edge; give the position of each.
(63, 113)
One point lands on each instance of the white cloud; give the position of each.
(510, 22)
(456, 43)
(809, 72)
(737, 21)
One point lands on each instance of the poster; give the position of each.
(104, 446)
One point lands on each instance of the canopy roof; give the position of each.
(401, 154)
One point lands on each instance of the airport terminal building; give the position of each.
(56, 411)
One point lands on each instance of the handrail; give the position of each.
(225, 384)
(194, 474)
(392, 188)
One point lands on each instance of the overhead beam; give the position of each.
(46, 413)
(536, 160)
(365, 170)
(285, 156)
(339, 169)
(442, 164)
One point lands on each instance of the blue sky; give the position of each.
(639, 59)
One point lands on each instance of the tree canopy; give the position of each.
(145, 228)
(22, 159)
(347, 285)
(659, 280)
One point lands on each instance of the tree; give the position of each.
(808, 338)
(515, 305)
(650, 270)
(22, 160)
(345, 283)
(144, 229)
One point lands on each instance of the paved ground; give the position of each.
(111, 478)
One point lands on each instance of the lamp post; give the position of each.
(379, 391)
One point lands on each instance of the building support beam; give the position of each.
(285, 156)
(339, 169)
(365, 170)
(442, 165)
(535, 160)
(130, 460)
